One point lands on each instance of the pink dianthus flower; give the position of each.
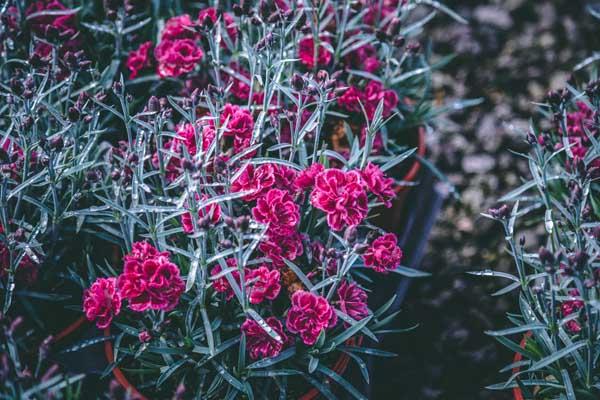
(379, 184)
(278, 210)
(102, 301)
(263, 284)
(149, 280)
(309, 315)
(259, 343)
(383, 255)
(341, 196)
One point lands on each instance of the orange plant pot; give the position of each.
(391, 218)
(117, 373)
(517, 393)
(68, 330)
(339, 368)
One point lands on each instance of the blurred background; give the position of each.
(510, 54)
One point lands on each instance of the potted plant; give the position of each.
(209, 178)
(555, 331)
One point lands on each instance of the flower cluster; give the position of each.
(149, 282)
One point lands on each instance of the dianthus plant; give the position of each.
(557, 327)
(232, 159)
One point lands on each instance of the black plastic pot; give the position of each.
(420, 211)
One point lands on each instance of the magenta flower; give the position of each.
(374, 92)
(580, 121)
(63, 22)
(180, 27)
(376, 14)
(378, 184)
(187, 133)
(149, 280)
(570, 307)
(256, 180)
(277, 248)
(364, 58)
(144, 337)
(277, 210)
(259, 343)
(173, 162)
(383, 255)
(370, 98)
(341, 196)
(261, 179)
(212, 210)
(221, 284)
(351, 99)
(353, 300)
(141, 251)
(102, 301)
(238, 124)
(139, 59)
(237, 87)
(306, 178)
(186, 138)
(227, 19)
(263, 284)
(27, 270)
(306, 53)
(176, 57)
(309, 315)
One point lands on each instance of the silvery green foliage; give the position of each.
(555, 331)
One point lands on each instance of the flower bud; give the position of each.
(188, 165)
(153, 104)
(247, 7)
(73, 114)
(242, 223)
(322, 75)
(255, 20)
(207, 23)
(546, 256)
(237, 10)
(589, 283)
(297, 82)
(301, 20)
(204, 222)
(57, 143)
(414, 47)
(579, 260)
(502, 212)
(226, 244)
(133, 158)
(381, 35)
(27, 123)
(394, 26)
(115, 174)
(228, 221)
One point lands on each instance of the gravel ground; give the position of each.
(511, 53)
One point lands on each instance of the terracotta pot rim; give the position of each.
(118, 374)
(68, 330)
(412, 173)
(517, 393)
(339, 367)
